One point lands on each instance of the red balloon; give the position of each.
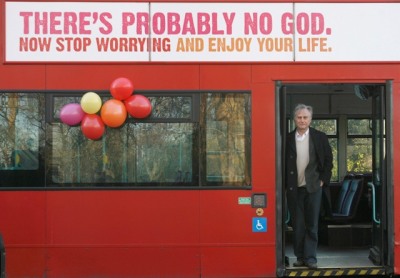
(138, 106)
(121, 88)
(113, 113)
(92, 126)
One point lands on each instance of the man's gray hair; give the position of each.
(301, 107)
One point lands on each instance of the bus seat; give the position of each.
(345, 207)
(342, 196)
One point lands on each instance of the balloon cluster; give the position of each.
(113, 112)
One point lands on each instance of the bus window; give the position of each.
(359, 146)
(165, 149)
(21, 122)
(227, 121)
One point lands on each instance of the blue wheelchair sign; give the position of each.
(259, 224)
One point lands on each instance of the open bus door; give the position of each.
(381, 178)
(282, 215)
(374, 257)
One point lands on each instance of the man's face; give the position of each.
(302, 120)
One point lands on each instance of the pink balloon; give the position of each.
(138, 106)
(121, 88)
(71, 114)
(92, 126)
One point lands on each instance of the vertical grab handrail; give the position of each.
(370, 184)
(287, 217)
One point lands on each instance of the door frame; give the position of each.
(280, 135)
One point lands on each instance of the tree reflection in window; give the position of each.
(227, 122)
(162, 150)
(20, 124)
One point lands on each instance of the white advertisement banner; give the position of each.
(201, 32)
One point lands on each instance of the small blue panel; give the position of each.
(259, 224)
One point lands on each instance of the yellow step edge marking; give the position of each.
(351, 272)
(375, 272)
(336, 272)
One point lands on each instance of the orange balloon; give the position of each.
(113, 113)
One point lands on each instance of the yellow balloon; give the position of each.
(91, 103)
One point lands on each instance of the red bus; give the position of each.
(196, 188)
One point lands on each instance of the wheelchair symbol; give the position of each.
(259, 224)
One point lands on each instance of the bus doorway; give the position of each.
(354, 226)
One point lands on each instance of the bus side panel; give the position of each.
(123, 261)
(230, 246)
(337, 72)
(114, 233)
(25, 261)
(240, 261)
(22, 225)
(22, 77)
(225, 77)
(123, 233)
(123, 217)
(150, 76)
(263, 141)
(143, 76)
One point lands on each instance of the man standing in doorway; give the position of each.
(308, 169)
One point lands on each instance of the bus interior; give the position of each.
(353, 218)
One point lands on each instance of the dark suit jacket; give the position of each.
(324, 158)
